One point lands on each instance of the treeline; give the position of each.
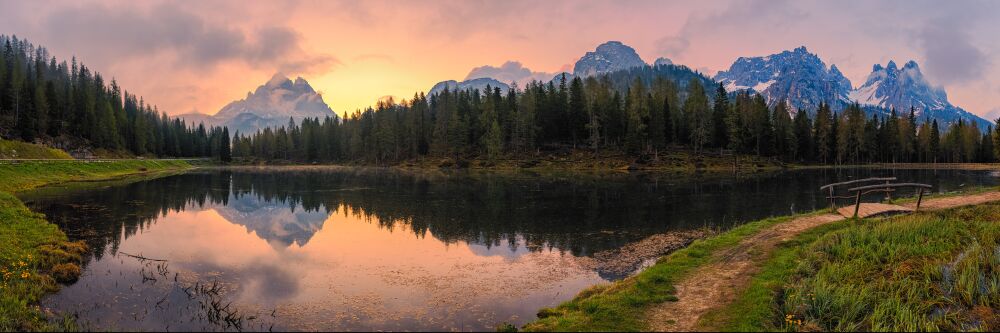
(42, 100)
(642, 118)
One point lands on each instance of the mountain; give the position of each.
(608, 57)
(273, 220)
(901, 88)
(270, 105)
(662, 61)
(480, 84)
(796, 76)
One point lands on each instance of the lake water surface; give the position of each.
(375, 249)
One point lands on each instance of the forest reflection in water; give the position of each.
(356, 248)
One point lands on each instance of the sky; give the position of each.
(197, 56)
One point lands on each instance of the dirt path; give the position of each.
(949, 202)
(719, 283)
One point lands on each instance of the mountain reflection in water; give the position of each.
(375, 249)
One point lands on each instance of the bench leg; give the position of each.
(857, 204)
(920, 197)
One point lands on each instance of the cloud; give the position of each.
(510, 71)
(949, 53)
(193, 42)
(993, 114)
(737, 18)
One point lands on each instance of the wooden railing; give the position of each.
(859, 191)
(862, 190)
(833, 197)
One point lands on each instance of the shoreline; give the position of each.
(687, 289)
(39, 256)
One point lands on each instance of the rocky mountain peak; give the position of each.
(890, 87)
(608, 57)
(796, 76)
(270, 105)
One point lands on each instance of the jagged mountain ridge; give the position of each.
(891, 87)
(798, 77)
(270, 105)
(803, 80)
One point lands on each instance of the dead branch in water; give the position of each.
(140, 257)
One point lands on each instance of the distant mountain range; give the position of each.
(799, 77)
(804, 81)
(270, 105)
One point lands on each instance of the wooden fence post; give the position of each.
(920, 197)
(857, 204)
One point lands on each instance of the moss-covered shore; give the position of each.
(35, 256)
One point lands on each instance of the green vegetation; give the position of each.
(622, 306)
(754, 309)
(930, 271)
(24, 150)
(25, 175)
(925, 271)
(35, 256)
(32, 248)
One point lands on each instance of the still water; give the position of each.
(375, 249)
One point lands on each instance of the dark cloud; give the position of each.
(510, 71)
(949, 52)
(738, 18)
(195, 42)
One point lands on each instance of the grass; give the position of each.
(31, 248)
(754, 310)
(27, 175)
(35, 255)
(622, 305)
(930, 271)
(18, 149)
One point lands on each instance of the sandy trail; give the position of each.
(718, 283)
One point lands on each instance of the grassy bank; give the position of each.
(622, 306)
(35, 255)
(27, 175)
(24, 150)
(935, 270)
(931, 271)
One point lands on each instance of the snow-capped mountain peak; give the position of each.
(891, 87)
(270, 105)
(796, 76)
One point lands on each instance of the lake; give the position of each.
(376, 249)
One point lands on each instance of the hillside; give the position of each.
(23, 150)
